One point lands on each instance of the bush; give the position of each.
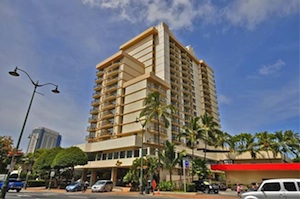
(190, 187)
(36, 183)
(166, 186)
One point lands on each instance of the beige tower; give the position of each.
(152, 61)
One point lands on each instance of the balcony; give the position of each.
(94, 111)
(98, 80)
(100, 72)
(93, 119)
(97, 94)
(97, 87)
(95, 102)
(92, 128)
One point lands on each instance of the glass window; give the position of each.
(129, 154)
(290, 186)
(144, 152)
(104, 156)
(274, 186)
(136, 153)
(109, 156)
(122, 154)
(116, 155)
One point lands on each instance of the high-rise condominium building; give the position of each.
(43, 138)
(152, 61)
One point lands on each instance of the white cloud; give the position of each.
(182, 13)
(250, 13)
(224, 99)
(272, 69)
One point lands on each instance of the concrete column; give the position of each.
(114, 172)
(93, 177)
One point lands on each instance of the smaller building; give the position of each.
(245, 170)
(43, 138)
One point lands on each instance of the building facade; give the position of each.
(152, 61)
(43, 138)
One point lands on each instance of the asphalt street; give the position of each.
(41, 193)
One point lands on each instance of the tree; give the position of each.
(209, 130)
(69, 158)
(44, 161)
(266, 143)
(200, 168)
(192, 133)
(133, 175)
(6, 143)
(169, 158)
(246, 143)
(227, 141)
(155, 108)
(287, 142)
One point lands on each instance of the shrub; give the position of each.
(167, 186)
(190, 187)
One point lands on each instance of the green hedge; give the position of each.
(36, 183)
(190, 187)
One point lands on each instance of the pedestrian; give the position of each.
(85, 186)
(239, 191)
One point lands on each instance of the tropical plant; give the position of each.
(245, 142)
(192, 134)
(69, 158)
(155, 108)
(6, 143)
(266, 143)
(228, 143)
(200, 168)
(287, 142)
(169, 158)
(209, 130)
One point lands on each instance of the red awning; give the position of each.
(268, 166)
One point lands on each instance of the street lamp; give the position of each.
(30, 161)
(142, 155)
(12, 163)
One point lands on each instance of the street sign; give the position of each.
(186, 163)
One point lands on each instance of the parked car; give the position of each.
(102, 185)
(206, 187)
(77, 186)
(14, 182)
(276, 189)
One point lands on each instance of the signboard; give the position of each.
(186, 164)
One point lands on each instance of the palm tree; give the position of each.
(227, 141)
(169, 158)
(287, 142)
(266, 142)
(192, 134)
(209, 130)
(156, 109)
(246, 143)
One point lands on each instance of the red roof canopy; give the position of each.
(268, 166)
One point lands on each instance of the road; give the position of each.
(61, 194)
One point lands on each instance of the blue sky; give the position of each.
(252, 45)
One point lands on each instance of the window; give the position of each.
(274, 186)
(109, 156)
(122, 154)
(136, 153)
(104, 156)
(116, 155)
(290, 186)
(129, 154)
(145, 152)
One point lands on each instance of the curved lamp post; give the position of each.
(142, 155)
(36, 85)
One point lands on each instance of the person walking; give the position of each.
(239, 191)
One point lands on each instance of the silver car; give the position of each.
(102, 185)
(276, 189)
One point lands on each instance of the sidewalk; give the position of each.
(125, 191)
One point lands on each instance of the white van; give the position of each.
(288, 188)
(102, 185)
